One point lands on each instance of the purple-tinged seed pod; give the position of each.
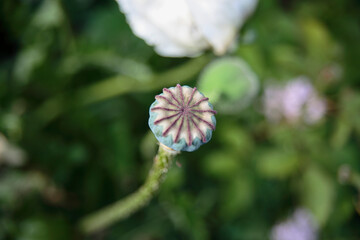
(182, 118)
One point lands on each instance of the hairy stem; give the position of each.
(127, 206)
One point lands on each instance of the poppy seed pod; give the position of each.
(182, 118)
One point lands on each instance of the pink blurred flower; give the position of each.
(295, 102)
(300, 226)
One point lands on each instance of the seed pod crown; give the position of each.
(182, 118)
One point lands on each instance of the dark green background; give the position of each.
(86, 148)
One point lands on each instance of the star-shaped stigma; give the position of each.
(183, 112)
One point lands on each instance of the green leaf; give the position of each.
(221, 164)
(318, 193)
(277, 164)
(49, 15)
(317, 39)
(235, 138)
(237, 196)
(252, 54)
(27, 61)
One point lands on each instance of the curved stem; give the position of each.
(116, 86)
(127, 206)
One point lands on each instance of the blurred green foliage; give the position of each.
(75, 88)
(229, 83)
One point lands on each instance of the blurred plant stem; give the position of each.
(127, 206)
(67, 26)
(116, 86)
(355, 180)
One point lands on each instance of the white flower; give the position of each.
(180, 28)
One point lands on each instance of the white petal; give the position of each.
(165, 24)
(219, 20)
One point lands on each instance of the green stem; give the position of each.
(127, 206)
(116, 86)
(355, 180)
